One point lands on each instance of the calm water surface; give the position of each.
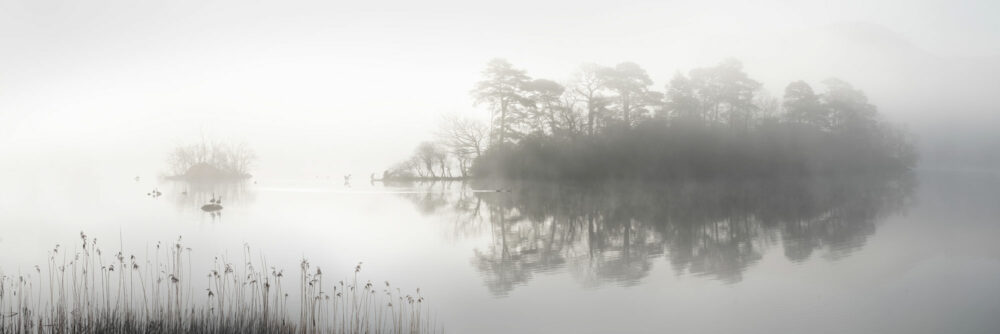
(908, 254)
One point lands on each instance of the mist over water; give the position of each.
(550, 256)
(531, 166)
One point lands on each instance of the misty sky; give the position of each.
(329, 88)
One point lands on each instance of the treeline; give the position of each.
(460, 140)
(611, 122)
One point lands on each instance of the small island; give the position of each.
(610, 122)
(208, 162)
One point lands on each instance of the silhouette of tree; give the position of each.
(465, 138)
(717, 121)
(803, 106)
(546, 96)
(848, 107)
(503, 88)
(681, 100)
(212, 161)
(725, 90)
(630, 83)
(428, 154)
(590, 86)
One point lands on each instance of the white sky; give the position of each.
(329, 88)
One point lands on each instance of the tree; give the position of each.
(546, 104)
(227, 160)
(769, 108)
(405, 168)
(242, 158)
(465, 137)
(414, 164)
(569, 115)
(442, 159)
(681, 100)
(726, 90)
(541, 129)
(803, 106)
(848, 107)
(427, 153)
(503, 88)
(631, 85)
(589, 85)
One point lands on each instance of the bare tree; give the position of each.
(770, 107)
(242, 158)
(465, 138)
(413, 164)
(227, 159)
(569, 115)
(442, 159)
(427, 153)
(590, 86)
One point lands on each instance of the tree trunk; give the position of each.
(625, 109)
(590, 115)
(503, 121)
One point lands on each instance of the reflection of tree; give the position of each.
(614, 232)
(520, 246)
(451, 201)
(618, 252)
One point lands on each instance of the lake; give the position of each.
(915, 253)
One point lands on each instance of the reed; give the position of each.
(84, 291)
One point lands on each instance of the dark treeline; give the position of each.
(611, 122)
(616, 232)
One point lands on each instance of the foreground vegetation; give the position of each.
(84, 291)
(610, 123)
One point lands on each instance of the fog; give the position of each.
(326, 88)
(526, 166)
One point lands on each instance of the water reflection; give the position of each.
(614, 232)
(193, 195)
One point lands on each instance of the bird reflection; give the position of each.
(614, 233)
(208, 197)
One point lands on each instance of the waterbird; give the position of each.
(213, 206)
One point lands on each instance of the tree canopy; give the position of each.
(611, 122)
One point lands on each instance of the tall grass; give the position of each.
(86, 291)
